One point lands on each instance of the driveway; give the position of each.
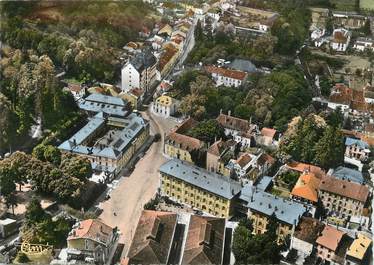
(124, 207)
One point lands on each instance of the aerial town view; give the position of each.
(186, 132)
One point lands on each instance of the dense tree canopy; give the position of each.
(312, 140)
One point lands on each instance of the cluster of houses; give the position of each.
(343, 23)
(151, 61)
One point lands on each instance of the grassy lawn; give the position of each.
(346, 5)
(367, 4)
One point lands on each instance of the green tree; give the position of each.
(52, 154)
(207, 131)
(77, 167)
(330, 148)
(34, 212)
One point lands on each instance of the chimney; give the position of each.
(220, 111)
(229, 113)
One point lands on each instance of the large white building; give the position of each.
(226, 77)
(139, 72)
(363, 44)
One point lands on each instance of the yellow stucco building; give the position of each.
(178, 145)
(209, 192)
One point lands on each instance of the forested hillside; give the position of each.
(41, 39)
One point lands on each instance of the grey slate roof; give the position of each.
(352, 141)
(118, 143)
(143, 60)
(106, 99)
(102, 103)
(243, 65)
(346, 173)
(264, 183)
(285, 210)
(212, 182)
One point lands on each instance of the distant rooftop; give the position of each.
(212, 182)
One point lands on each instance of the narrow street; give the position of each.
(124, 207)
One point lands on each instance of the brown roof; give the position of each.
(265, 158)
(93, 229)
(186, 125)
(166, 56)
(268, 132)
(183, 141)
(137, 91)
(235, 74)
(339, 37)
(75, 87)
(308, 229)
(244, 159)
(228, 121)
(220, 146)
(153, 237)
(344, 188)
(330, 238)
(204, 243)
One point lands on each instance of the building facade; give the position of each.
(91, 240)
(139, 72)
(209, 192)
(342, 198)
(108, 142)
(164, 106)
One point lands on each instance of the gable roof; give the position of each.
(330, 238)
(205, 239)
(344, 188)
(93, 229)
(231, 122)
(268, 132)
(153, 237)
(307, 187)
(182, 141)
(234, 74)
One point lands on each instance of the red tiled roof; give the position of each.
(92, 229)
(307, 187)
(344, 188)
(330, 238)
(303, 167)
(239, 75)
(268, 132)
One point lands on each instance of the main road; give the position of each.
(124, 207)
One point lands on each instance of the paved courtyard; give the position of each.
(127, 200)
